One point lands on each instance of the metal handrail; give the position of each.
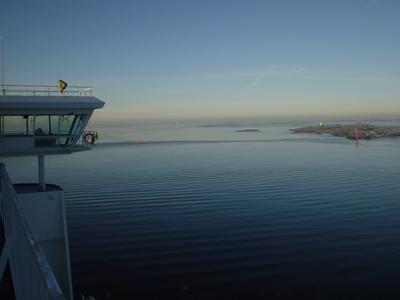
(44, 90)
(48, 86)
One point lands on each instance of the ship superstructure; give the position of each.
(39, 121)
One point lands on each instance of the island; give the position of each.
(351, 131)
(247, 130)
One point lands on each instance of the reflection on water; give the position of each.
(282, 216)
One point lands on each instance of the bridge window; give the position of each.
(64, 129)
(15, 125)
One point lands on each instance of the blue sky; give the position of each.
(194, 59)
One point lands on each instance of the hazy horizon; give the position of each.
(169, 113)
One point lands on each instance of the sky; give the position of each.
(211, 59)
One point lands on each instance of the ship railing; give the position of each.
(44, 90)
(31, 274)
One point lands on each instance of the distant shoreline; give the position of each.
(351, 131)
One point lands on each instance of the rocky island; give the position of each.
(351, 131)
(247, 130)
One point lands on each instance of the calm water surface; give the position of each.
(268, 215)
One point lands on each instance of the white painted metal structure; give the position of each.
(33, 215)
(32, 275)
(44, 124)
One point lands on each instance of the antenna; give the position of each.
(2, 64)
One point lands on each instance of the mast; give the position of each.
(2, 64)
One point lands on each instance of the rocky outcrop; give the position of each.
(351, 131)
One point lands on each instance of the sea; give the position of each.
(204, 211)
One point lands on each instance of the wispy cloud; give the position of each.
(345, 76)
(276, 71)
(257, 77)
